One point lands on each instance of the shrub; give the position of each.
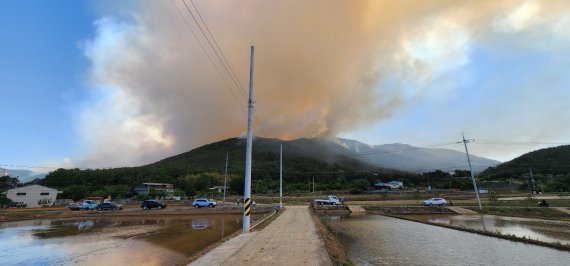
(355, 191)
(142, 197)
(493, 197)
(45, 202)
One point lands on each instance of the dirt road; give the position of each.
(291, 239)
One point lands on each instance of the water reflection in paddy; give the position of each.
(542, 230)
(116, 241)
(380, 240)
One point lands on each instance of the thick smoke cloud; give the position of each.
(322, 68)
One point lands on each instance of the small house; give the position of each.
(33, 196)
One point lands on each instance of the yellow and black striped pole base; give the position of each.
(247, 206)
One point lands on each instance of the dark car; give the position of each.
(75, 207)
(149, 204)
(108, 206)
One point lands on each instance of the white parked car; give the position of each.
(435, 201)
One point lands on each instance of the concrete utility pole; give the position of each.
(471, 170)
(313, 186)
(247, 187)
(226, 175)
(532, 179)
(281, 176)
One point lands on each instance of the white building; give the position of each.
(33, 196)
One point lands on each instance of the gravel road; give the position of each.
(291, 239)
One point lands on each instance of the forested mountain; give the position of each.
(331, 163)
(303, 160)
(551, 161)
(203, 167)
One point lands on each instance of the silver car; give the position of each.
(435, 201)
(199, 203)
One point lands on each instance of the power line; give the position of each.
(534, 164)
(244, 94)
(223, 60)
(209, 58)
(217, 46)
(512, 142)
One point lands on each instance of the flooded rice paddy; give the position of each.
(112, 241)
(537, 229)
(380, 240)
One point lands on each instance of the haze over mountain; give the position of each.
(414, 159)
(348, 154)
(24, 175)
(332, 163)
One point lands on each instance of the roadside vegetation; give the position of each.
(335, 249)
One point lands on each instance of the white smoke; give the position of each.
(322, 68)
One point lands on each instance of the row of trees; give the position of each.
(119, 182)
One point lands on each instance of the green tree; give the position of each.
(153, 193)
(237, 184)
(76, 192)
(201, 183)
(45, 202)
(4, 201)
(360, 184)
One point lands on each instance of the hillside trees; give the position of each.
(191, 184)
(7, 182)
(236, 184)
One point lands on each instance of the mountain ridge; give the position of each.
(350, 154)
(552, 160)
(405, 157)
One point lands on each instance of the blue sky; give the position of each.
(42, 73)
(107, 83)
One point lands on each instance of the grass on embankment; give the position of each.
(336, 251)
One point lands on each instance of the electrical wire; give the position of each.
(227, 86)
(215, 51)
(219, 49)
(219, 54)
(511, 142)
(223, 58)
